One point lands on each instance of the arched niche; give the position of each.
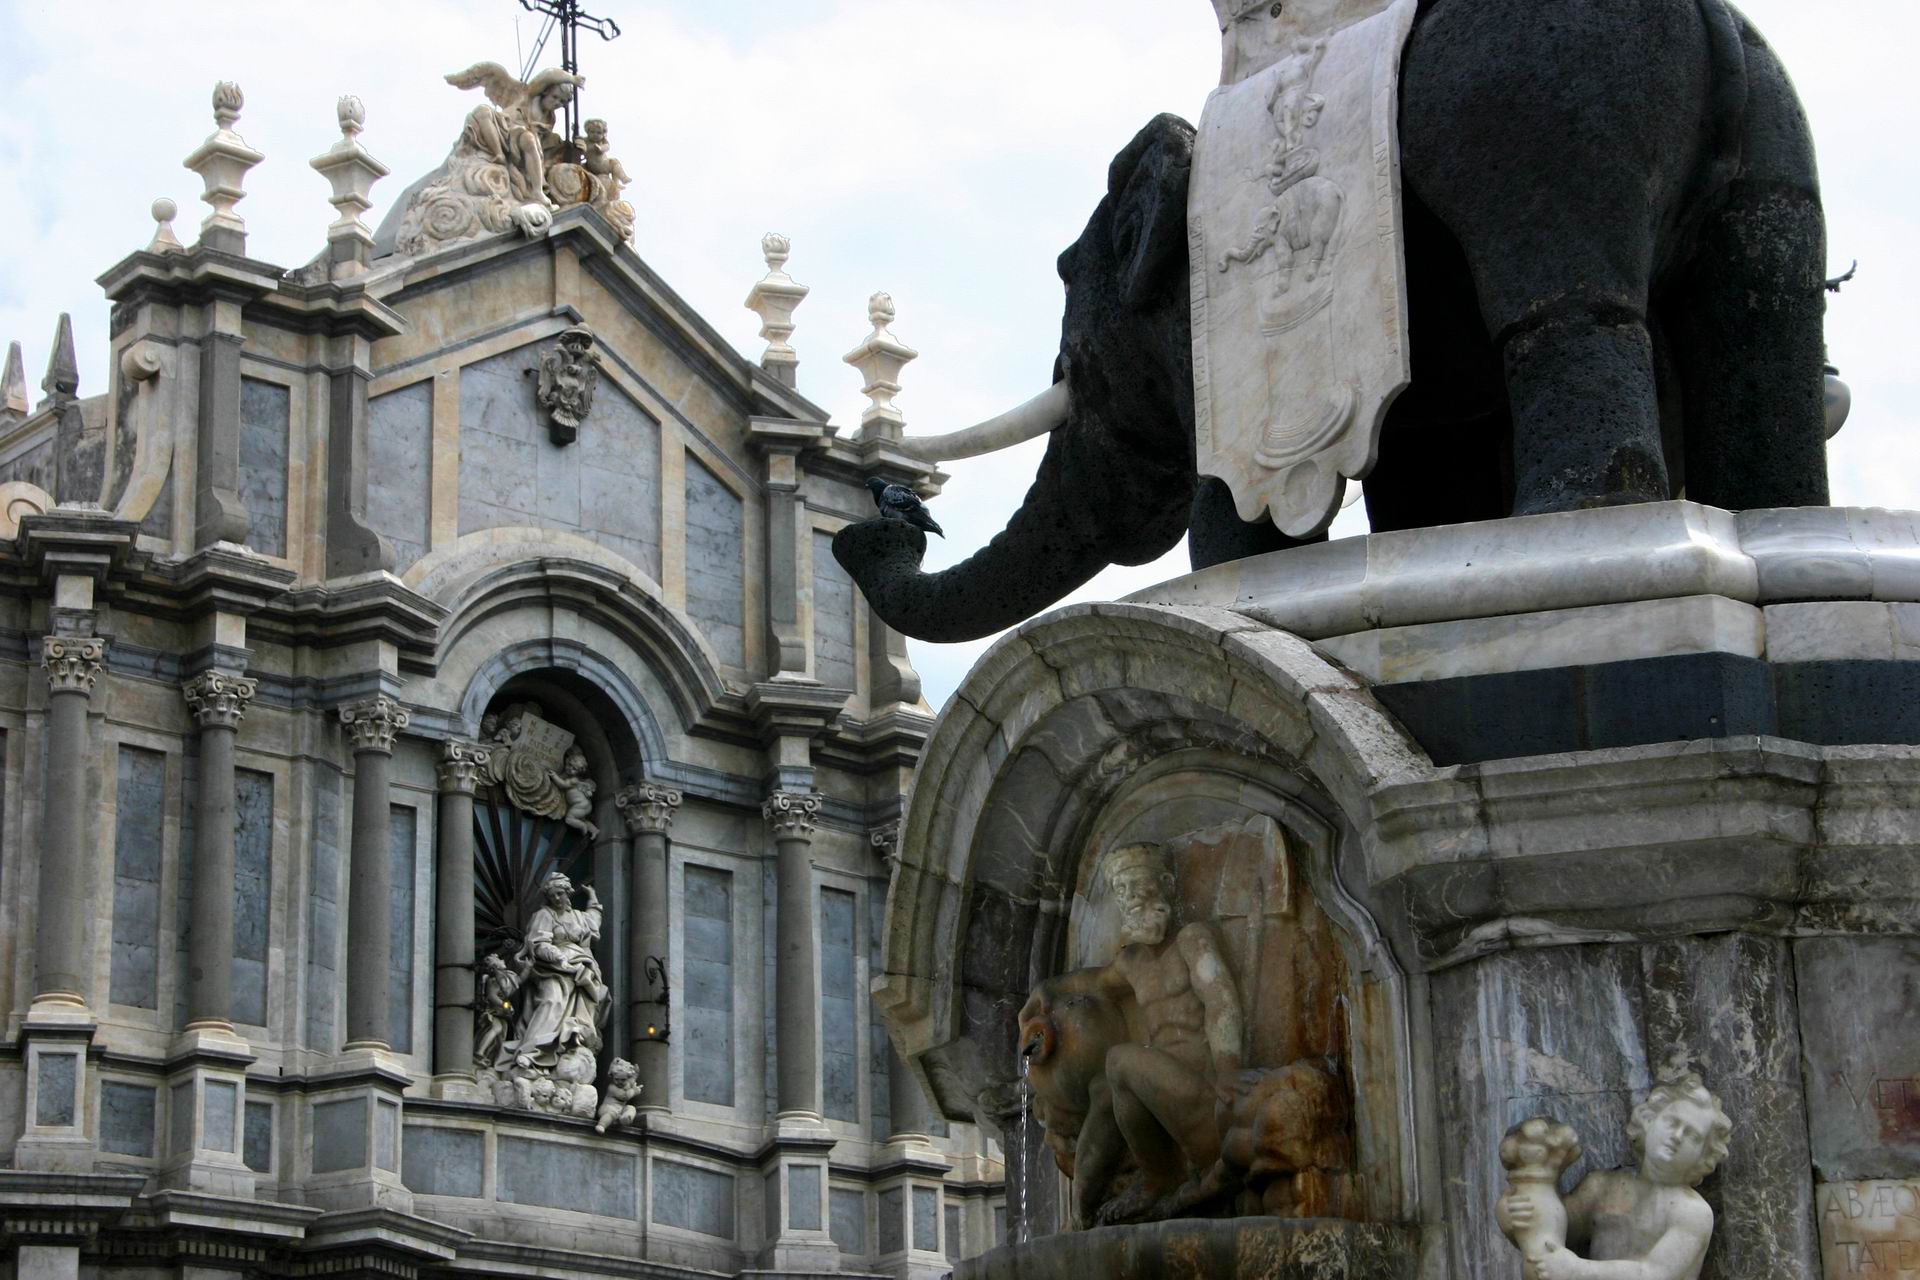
(1107, 720)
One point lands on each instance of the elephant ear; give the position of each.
(1147, 196)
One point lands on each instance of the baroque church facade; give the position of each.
(449, 784)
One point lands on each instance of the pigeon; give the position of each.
(897, 502)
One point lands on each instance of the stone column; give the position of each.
(460, 766)
(218, 701)
(790, 819)
(649, 810)
(60, 958)
(371, 727)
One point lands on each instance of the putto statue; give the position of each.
(1650, 1224)
(543, 1013)
(512, 167)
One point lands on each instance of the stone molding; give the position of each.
(72, 663)
(218, 699)
(790, 814)
(372, 724)
(461, 764)
(648, 807)
(886, 841)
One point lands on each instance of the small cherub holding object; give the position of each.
(579, 789)
(623, 1085)
(1644, 1225)
(493, 1008)
(599, 160)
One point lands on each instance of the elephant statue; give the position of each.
(1615, 257)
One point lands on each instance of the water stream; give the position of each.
(1022, 1230)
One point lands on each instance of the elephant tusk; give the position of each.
(1034, 418)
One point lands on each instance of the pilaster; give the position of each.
(459, 772)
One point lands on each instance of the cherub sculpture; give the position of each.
(623, 1086)
(1648, 1224)
(579, 789)
(607, 178)
(493, 1009)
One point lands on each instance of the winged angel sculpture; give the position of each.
(511, 167)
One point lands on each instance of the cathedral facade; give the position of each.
(449, 784)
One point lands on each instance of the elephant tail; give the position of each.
(1727, 97)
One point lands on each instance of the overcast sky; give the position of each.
(945, 152)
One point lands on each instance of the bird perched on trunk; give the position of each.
(897, 502)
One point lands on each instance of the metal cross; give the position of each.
(567, 16)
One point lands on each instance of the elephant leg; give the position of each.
(1748, 317)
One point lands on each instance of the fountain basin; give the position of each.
(1210, 1249)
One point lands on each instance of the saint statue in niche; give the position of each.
(1648, 1224)
(563, 999)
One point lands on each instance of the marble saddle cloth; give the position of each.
(1298, 286)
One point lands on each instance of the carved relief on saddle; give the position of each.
(1196, 1063)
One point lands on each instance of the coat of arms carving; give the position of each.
(1299, 297)
(536, 765)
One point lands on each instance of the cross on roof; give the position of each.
(569, 18)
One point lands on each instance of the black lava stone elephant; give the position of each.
(1615, 255)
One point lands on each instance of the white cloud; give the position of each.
(945, 153)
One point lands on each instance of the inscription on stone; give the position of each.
(1869, 1228)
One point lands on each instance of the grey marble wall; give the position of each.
(1858, 1000)
(183, 879)
(443, 1162)
(839, 1025)
(265, 418)
(559, 1176)
(32, 466)
(340, 1134)
(127, 1115)
(140, 810)
(926, 1219)
(833, 604)
(847, 1219)
(708, 978)
(879, 1048)
(400, 469)
(693, 1199)
(256, 1144)
(605, 486)
(803, 1197)
(893, 1222)
(716, 564)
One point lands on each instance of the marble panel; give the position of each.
(833, 605)
(1857, 999)
(693, 1199)
(324, 912)
(386, 1135)
(256, 1138)
(140, 811)
(847, 1219)
(180, 1118)
(252, 893)
(839, 1023)
(560, 1176)
(926, 1219)
(220, 1115)
(265, 418)
(443, 1162)
(340, 1135)
(400, 469)
(127, 1115)
(716, 562)
(893, 1220)
(706, 1013)
(879, 1047)
(403, 832)
(183, 880)
(1869, 1228)
(803, 1196)
(54, 1097)
(953, 1233)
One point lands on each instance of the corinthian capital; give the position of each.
(648, 807)
(461, 764)
(218, 699)
(790, 813)
(372, 723)
(885, 841)
(72, 662)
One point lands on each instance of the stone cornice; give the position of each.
(460, 766)
(648, 807)
(72, 663)
(375, 606)
(790, 815)
(792, 708)
(218, 699)
(373, 724)
(80, 542)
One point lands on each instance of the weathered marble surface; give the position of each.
(1868, 1228)
(1196, 1249)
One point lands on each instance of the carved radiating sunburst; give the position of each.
(513, 851)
